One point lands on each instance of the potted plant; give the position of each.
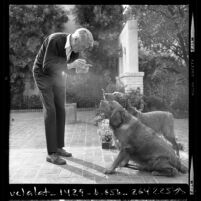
(106, 134)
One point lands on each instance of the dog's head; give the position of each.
(113, 111)
(106, 107)
(108, 96)
(117, 96)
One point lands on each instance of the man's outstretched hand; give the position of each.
(80, 65)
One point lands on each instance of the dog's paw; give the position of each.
(109, 171)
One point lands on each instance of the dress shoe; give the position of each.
(63, 152)
(55, 159)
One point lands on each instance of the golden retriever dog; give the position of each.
(140, 143)
(161, 122)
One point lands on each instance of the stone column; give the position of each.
(128, 62)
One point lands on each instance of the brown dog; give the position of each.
(161, 122)
(139, 143)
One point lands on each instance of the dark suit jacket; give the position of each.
(51, 57)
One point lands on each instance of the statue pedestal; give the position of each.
(132, 81)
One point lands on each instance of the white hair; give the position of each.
(84, 36)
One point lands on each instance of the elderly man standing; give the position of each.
(58, 54)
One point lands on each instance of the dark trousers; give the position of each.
(52, 91)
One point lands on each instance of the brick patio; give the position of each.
(27, 156)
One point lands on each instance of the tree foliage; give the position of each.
(164, 29)
(165, 78)
(105, 22)
(28, 26)
(164, 56)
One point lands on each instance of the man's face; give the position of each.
(79, 46)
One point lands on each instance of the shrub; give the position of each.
(179, 106)
(84, 89)
(105, 133)
(32, 102)
(136, 98)
(16, 102)
(154, 103)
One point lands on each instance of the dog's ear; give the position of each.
(117, 118)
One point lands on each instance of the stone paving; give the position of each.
(27, 154)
